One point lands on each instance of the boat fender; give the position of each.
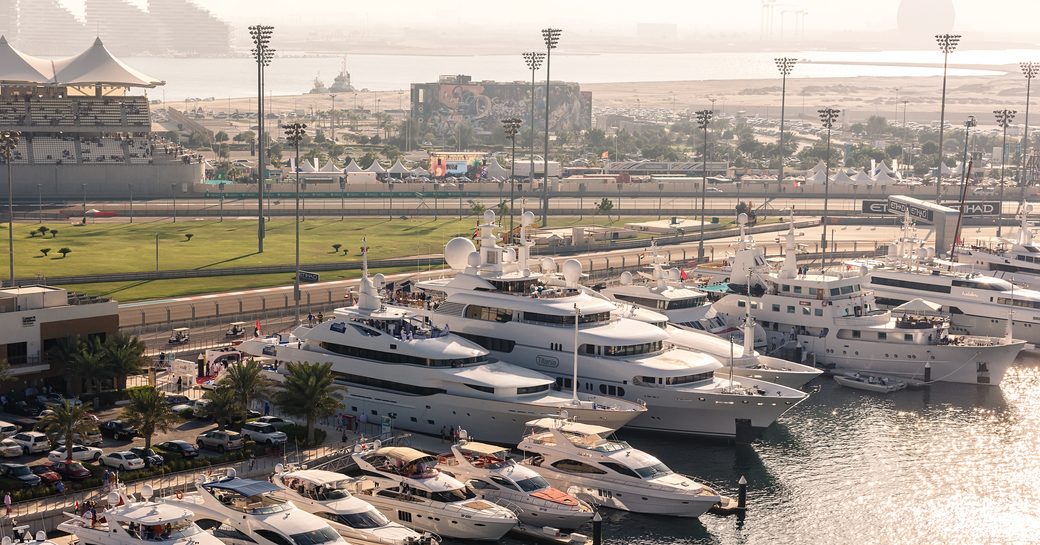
(180, 495)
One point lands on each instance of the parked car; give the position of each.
(150, 457)
(178, 447)
(45, 472)
(80, 453)
(73, 471)
(58, 399)
(8, 429)
(260, 432)
(117, 429)
(20, 473)
(10, 449)
(275, 421)
(91, 438)
(32, 442)
(221, 440)
(26, 408)
(176, 399)
(123, 460)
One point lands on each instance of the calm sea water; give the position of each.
(236, 77)
(955, 464)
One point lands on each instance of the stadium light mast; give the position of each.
(294, 133)
(947, 44)
(1029, 70)
(703, 120)
(512, 126)
(8, 142)
(534, 62)
(1004, 119)
(785, 65)
(827, 117)
(552, 38)
(261, 35)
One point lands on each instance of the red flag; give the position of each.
(682, 274)
(605, 155)
(258, 327)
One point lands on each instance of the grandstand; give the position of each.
(80, 125)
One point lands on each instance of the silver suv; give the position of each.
(221, 440)
(264, 433)
(32, 442)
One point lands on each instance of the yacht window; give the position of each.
(490, 343)
(855, 334)
(486, 389)
(785, 287)
(535, 389)
(449, 496)
(410, 389)
(273, 537)
(790, 309)
(686, 379)
(619, 469)
(992, 284)
(798, 289)
(532, 484)
(908, 337)
(224, 531)
(812, 291)
(741, 304)
(554, 319)
(603, 389)
(482, 485)
(818, 312)
(881, 336)
(502, 482)
(656, 470)
(574, 466)
(488, 314)
(365, 331)
(835, 291)
(776, 307)
(920, 286)
(395, 357)
(806, 311)
(845, 290)
(364, 519)
(315, 537)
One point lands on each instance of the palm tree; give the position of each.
(222, 404)
(62, 355)
(149, 413)
(309, 391)
(124, 355)
(246, 379)
(65, 421)
(89, 362)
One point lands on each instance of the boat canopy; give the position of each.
(317, 476)
(481, 448)
(245, 487)
(568, 426)
(405, 454)
(918, 305)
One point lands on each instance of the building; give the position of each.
(189, 29)
(34, 318)
(453, 101)
(126, 29)
(41, 21)
(666, 168)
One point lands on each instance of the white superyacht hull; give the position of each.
(445, 520)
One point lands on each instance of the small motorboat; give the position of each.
(870, 383)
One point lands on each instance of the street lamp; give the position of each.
(294, 133)
(1004, 118)
(512, 126)
(785, 65)
(130, 187)
(8, 142)
(173, 192)
(221, 186)
(827, 117)
(552, 38)
(703, 120)
(332, 118)
(84, 209)
(39, 200)
(262, 53)
(1029, 70)
(534, 62)
(947, 44)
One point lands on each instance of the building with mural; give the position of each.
(441, 107)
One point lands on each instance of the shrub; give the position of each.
(336, 247)
(188, 236)
(45, 251)
(64, 251)
(54, 233)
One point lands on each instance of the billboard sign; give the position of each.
(916, 212)
(875, 207)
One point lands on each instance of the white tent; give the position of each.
(841, 178)
(330, 167)
(884, 178)
(399, 169)
(420, 171)
(97, 65)
(819, 167)
(947, 171)
(819, 176)
(918, 305)
(376, 167)
(18, 67)
(495, 170)
(353, 167)
(862, 177)
(307, 167)
(882, 167)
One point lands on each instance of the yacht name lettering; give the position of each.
(547, 361)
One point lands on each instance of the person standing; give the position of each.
(7, 503)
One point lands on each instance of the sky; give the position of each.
(1011, 16)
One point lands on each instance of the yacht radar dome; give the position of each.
(147, 491)
(527, 219)
(626, 278)
(6, 540)
(41, 535)
(231, 473)
(456, 252)
(379, 280)
(489, 216)
(572, 271)
(278, 468)
(1029, 208)
(674, 274)
(548, 265)
(113, 498)
(742, 218)
(473, 259)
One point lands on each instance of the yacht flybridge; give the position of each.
(396, 365)
(582, 460)
(1008, 259)
(495, 300)
(835, 319)
(977, 304)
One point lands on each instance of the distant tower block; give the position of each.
(925, 17)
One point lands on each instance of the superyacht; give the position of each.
(495, 300)
(1017, 258)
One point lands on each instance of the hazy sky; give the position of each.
(1013, 16)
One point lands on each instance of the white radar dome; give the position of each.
(147, 491)
(379, 280)
(113, 498)
(41, 536)
(473, 259)
(489, 216)
(457, 251)
(1029, 208)
(673, 274)
(548, 265)
(571, 271)
(527, 219)
(626, 278)
(742, 219)
(278, 468)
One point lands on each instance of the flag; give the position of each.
(364, 245)
(682, 274)
(258, 328)
(605, 155)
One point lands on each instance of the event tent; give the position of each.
(330, 167)
(884, 178)
(862, 177)
(420, 171)
(18, 67)
(399, 169)
(841, 178)
(376, 167)
(353, 167)
(96, 65)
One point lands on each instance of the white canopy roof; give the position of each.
(97, 65)
(420, 171)
(495, 170)
(399, 168)
(330, 167)
(884, 178)
(945, 170)
(18, 67)
(883, 167)
(841, 178)
(307, 166)
(353, 167)
(376, 167)
(862, 177)
(818, 176)
(918, 305)
(820, 166)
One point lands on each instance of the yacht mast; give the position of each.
(574, 383)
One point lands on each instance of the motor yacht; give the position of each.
(409, 488)
(327, 494)
(399, 369)
(496, 300)
(582, 460)
(247, 512)
(493, 475)
(127, 521)
(834, 320)
(977, 304)
(1017, 258)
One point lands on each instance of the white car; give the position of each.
(58, 399)
(124, 460)
(80, 453)
(32, 442)
(260, 432)
(275, 421)
(10, 449)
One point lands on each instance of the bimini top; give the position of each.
(405, 454)
(568, 426)
(245, 487)
(94, 66)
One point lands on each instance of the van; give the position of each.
(8, 429)
(201, 409)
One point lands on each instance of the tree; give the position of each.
(65, 421)
(502, 207)
(54, 233)
(476, 207)
(246, 380)
(149, 413)
(89, 362)
(336, 247)
(605, 206)
(64, 251)
(62, 355)
(45, 251)
(221, 405)
(308, 391)
(43, 230)
(124, 356)
(5, 372)
(220, 137)
(245, 136)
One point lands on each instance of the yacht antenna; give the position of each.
(731, 361)
(574, 379)
(1011, 312)
(749, 325)
(364, 256)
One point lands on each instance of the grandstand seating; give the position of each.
(53, 150)
(101, 150)
(139, 151)
(52, 112)
(12, 112)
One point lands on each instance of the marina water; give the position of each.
(953, 464)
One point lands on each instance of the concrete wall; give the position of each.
(103, 181)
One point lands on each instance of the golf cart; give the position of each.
(180, 335)
(236, 329)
